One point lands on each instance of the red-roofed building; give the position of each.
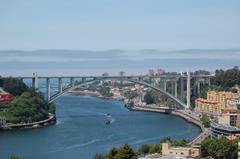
(230, 117)
(215, 102)
(4, 96)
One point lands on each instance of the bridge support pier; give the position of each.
(48, 93)
(176, 88)
(181, 88)
(209, 81)
(188, 90)
(198, 87)
(72, 81)
(165, 85)
(35, 82)
(83, 79)
(60, 85)
(173, 84)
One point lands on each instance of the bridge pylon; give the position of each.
(35, 82)
(188, 89)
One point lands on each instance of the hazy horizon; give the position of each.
(87, 62)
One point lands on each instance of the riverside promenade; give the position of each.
(185, 114)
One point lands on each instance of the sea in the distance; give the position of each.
(81, 131)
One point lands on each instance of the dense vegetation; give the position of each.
(157, 148)
(130, 94)
(227, 79)
(105, 91)
(26, 106)
(13, 85)
(223, 81)
(152, 97)
(219, 148)
(126, 152)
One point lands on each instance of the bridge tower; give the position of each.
(174, 87)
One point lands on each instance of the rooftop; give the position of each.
(230, 111)
(206, 101)
(224, 127)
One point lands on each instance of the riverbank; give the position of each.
(51, 120)
(94, 94)
(183, 114)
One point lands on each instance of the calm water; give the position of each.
(81, 130)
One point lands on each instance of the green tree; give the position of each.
(126, 152)
(105, 91)
(181, 142)
(144, 149)
(219, 148)
(155, 148)
(206, 120)
(149, 98)
(130, 94)
(99, 156)
(112, 153)
(14, 157)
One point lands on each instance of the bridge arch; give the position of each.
(72, 87)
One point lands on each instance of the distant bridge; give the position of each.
(84, 80)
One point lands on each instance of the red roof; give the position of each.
(231, 111)
(202, 100)
(5, 97)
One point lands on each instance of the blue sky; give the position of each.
(124, 24)
(86, 37)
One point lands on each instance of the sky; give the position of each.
(64, 36)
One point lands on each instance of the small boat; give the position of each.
(108, 120)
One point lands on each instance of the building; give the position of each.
(150, 72)
(230, 117)
(215, 102)
(160, 72)
(181, 152)
(207, 105)
(220, 97)
(224, 130)
(121, 73)
(4, 96)
(105, 74)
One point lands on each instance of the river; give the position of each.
(81, 131)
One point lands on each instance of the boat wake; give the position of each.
(81, 145)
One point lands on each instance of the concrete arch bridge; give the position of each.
(84, 80)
